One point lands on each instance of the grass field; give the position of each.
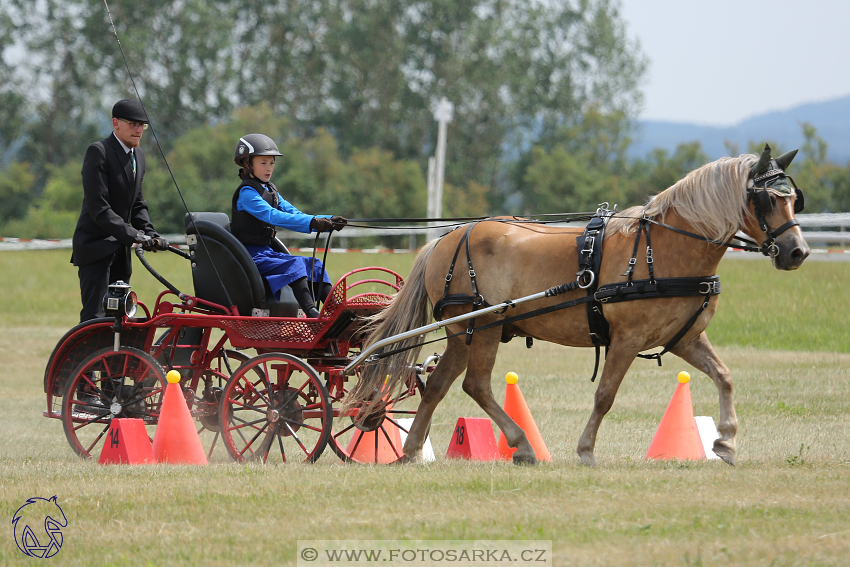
(787, 502)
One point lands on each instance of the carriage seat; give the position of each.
(219, 257)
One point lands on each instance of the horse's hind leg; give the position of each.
(451, 364)
(701, 355)
(476, 383)
(620, 357)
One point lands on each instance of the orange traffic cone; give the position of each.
(517, 409)
(473, 439)
(127, 443)
(176, 440)
(381, 446)
(677, 436)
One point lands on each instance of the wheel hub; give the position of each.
(208, 409)
(115, 408)
(372, 422)
(289, 409)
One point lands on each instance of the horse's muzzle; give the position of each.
(792, 251)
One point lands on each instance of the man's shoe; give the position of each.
(312, 313)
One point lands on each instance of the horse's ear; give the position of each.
(785, 159)
(763, 162)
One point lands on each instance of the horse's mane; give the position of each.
(712, 199)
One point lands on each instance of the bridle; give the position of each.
(759, 188)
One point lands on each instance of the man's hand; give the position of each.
(154, 244)
(321, 224)
(339, 222)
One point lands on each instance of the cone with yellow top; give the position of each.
(176, 441)
(677, 436)
(517, 409)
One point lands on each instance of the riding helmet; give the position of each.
(255, 145)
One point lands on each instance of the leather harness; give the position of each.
(590, 259)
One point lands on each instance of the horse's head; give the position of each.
(773, 200)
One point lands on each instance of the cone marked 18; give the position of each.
(677, 436)
(473, 439)
(176, 441)
(517, 409)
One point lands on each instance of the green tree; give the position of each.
(55, 213)
(16, 184)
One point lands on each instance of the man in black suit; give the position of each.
(114, 215)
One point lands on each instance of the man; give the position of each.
(114, 215)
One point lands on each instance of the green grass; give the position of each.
(786, 503)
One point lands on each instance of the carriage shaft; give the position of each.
(371, 349)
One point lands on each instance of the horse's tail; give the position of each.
(408, 310)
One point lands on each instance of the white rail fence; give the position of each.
(813, 226)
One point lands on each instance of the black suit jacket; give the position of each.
(114, 209)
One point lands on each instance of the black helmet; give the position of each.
(255, 145)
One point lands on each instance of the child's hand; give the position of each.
(339, 222)
(321, 224)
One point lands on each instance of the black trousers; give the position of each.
(95, 279)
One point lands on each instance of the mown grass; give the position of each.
(786, 503)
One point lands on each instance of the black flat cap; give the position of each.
(130, 109)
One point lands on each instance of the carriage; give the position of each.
(295, 391)
(281, 402)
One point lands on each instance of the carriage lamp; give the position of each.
(120, 300)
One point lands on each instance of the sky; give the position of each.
(718, 62)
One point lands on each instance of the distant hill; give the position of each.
(831, 118)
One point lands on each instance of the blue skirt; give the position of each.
(282, 269)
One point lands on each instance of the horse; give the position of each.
(691, 224)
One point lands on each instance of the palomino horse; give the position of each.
(515, 259)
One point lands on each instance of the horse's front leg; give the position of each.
(701, 355)
(620, 357)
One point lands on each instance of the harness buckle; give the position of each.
(448, 277)
(648, 255)
(599, 299)
(471, 273)
(588, 243)
(710, 287)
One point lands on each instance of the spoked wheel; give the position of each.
(208, 401)
(109, 384)
(275, 406)
(379, 438)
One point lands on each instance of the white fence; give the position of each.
(810, 223)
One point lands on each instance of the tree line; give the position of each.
(545, 98)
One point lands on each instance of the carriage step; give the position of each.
(54, 415)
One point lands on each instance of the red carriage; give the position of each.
(280, 402)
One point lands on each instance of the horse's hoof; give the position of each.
(728, 458)
(725, 453)
(531, 460)
(588, 460)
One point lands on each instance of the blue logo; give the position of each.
(38, 527)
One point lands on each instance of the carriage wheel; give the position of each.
(274, 404)
(379, 438)
(109, 384)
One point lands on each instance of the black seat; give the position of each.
(218, 257)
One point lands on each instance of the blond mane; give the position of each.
(712, 199)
